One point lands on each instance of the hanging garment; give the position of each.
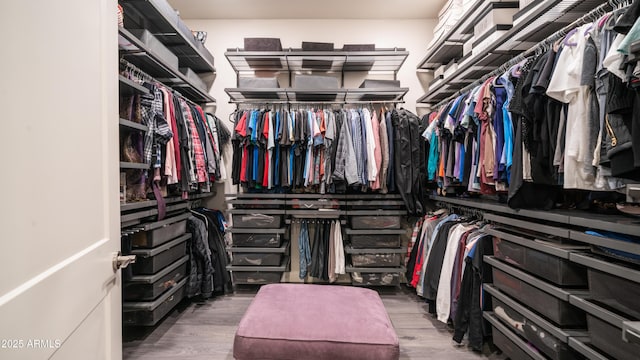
(216, 228)
(339, 249)
(317, 253)
(200, 267)
(443, 295)
(412, 249)
(331, 268)
(407, 159)
(469, 313)
(304, 249)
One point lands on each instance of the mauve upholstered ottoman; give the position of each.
(300, 321)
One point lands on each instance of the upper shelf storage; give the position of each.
(245, 95)
(296, 60)
(450, 45)
(151, 59)
(163, 22)
(534, 23)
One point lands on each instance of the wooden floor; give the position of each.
(205, 331)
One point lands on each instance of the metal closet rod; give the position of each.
(146, 77)
(284, 102)
(592, 15)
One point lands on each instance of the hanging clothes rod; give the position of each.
(140, 74)
(592, 15)
(311, 103)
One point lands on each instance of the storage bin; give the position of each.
(359, 47)
(316, 64)
(508, 347)
(375, 279)
(551, 268)
(256, 259)
(316, 46)
(618, 293)
(608, 338)
(258, 221)
(160, 235)
(369, 83)
(257, 239)
(372, 241)
(149, 287)
(554, 309)
(157, 48)
(258, 83)
(262, 44)
(501, 15)
(546, 343)
(255, 277)
(375, 222)
(193, 78)
(376, 260)
(315, 82)
(150, 313)
(151, 261)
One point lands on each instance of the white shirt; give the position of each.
(372, 170)
(565, 86)
(443, 299)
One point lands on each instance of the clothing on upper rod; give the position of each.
(329, 151)
(565, 118)
(183, 143)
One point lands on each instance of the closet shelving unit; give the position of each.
(279, 211)
(549, 273)
(535, 22)
(296, 61)
(159, 279)
(288, 208)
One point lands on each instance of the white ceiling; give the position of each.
(308, 9)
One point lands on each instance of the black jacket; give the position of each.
(622, 124)
(407, 159)
(469, 312)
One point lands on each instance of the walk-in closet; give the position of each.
(315, 180)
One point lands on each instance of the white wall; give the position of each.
(414, 35)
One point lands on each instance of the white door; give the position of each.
(59, 207)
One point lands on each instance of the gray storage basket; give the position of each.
(257, 259)
(194, 78)
(150, 313)
(608, 338)
(549, 345)
(554, 309)
(375, 222)
(151, 261)
(375, 278)
(160, 232)
(257, 238)
(615, 292)
(551, 268)
(257, 221)
(155, 46)
(149, 287)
